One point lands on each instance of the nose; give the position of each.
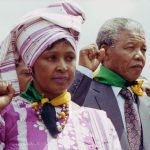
(139, 55)
(62, 66)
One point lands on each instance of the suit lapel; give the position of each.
(101, 96)
(107, 102)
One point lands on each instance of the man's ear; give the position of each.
(106, 51)
(101, 55)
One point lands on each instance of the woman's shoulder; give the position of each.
(75, 107)
(94, 111)
(90, 114)
(80, 109)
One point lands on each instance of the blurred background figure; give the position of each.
(24, 75)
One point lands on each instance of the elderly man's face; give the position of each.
(127, 56)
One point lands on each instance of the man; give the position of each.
(123, 42)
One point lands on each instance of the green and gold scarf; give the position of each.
(109, 77)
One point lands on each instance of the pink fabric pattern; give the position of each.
(87, 129)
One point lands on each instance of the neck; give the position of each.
(107, 76)
(44, 93)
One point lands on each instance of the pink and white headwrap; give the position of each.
(35, 32)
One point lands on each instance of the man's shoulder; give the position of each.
(144, 101)
(144, 109)
(100, 86)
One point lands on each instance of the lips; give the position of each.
(60, 79)
(138, 67)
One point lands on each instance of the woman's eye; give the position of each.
(25, 73)
(52, 58)
(70, 58)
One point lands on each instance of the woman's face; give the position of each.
(24, 76)
(54, 70)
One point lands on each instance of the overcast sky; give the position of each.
(97, 11)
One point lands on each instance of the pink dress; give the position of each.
(86, 129)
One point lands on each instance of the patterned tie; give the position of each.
(133, 123)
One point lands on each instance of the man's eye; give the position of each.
(130, 47)
(144, 49)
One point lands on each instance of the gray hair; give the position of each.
(109, 31)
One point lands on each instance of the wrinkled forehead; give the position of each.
(136, 28)
(131, 36)
(132, 30)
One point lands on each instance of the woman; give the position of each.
(43, 117)
(23, 74)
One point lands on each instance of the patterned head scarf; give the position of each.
(35, 32)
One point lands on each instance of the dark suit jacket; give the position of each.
(90, 93)
(144, 109)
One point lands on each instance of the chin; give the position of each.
(60, 90)
(132, 79)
